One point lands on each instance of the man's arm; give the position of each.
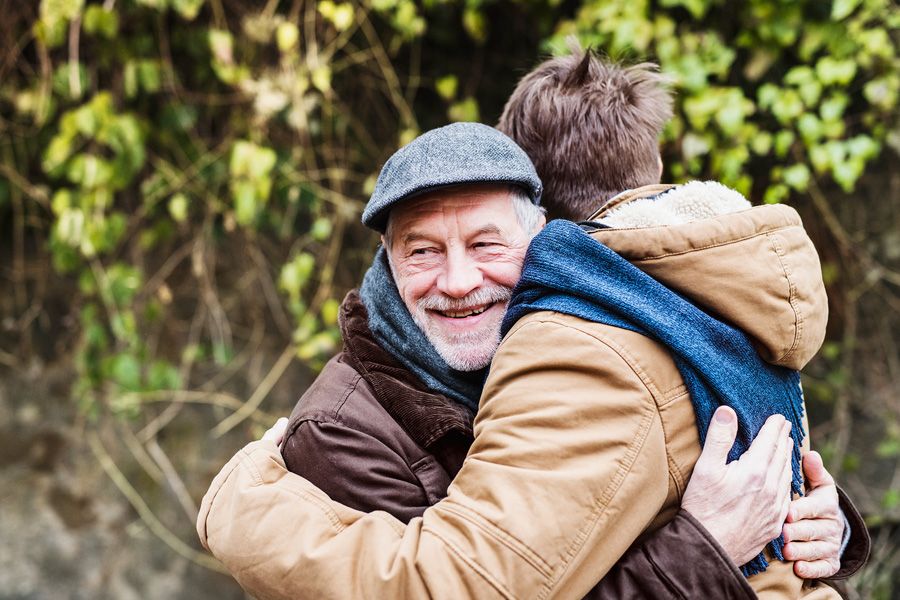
(355, 468)
(281, 537)
(560, 452)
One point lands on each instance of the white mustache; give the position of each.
(481, 296)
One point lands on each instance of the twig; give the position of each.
(34, 192)
(196, 397)
(74, 75)
(264, 278)
(175, 483)
(848, 248)
(408, 118)
(842, 404)
(268, 382)
(145, 513)
(140, 454)
(166, 269)
(9, 360)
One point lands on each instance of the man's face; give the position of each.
(456, 255)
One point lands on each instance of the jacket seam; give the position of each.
(792, 297)
(681, 388)
(333, 518)
(400, 530)
(520, 548)
(660, 399)
(381, 443)
(713, 245)
(420, 468)
(314, 414)
(602, 504)
(664, 577)
(676, 473)
(350, 389)
(236, 464)
(473, 566)
(651, 410)
(667, 399)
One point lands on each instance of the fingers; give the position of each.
(276, 433)
(787, 475)
(765, 445)
(814, 471)
(808, 530)
(719, 437)
(818, 569)
(780, 466)
(810, 551)
(819, 504)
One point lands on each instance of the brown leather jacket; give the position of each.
(552, 494)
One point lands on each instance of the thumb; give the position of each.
(719, 437)
(815, 472)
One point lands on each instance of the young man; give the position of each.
(458, 312)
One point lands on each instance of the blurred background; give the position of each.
(180, 189)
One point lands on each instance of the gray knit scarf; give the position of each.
(396, 332)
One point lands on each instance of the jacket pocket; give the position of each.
(433, 478)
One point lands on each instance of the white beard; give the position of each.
(468, 350)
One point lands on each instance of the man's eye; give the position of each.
(421, 251)
(485, 244)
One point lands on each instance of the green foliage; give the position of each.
(796, 66)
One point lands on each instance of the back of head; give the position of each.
(590, 127)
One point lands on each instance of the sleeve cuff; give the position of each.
(856, 545)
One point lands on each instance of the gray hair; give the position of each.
(528, 214)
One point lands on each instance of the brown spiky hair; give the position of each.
(591, 128)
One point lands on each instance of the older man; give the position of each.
(453, 242)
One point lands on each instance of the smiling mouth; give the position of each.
(468, 312)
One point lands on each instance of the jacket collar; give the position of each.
(425, 415)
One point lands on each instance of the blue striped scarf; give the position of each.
(569, 272)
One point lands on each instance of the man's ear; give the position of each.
(382, 241)
(660, 163)
(542, 221)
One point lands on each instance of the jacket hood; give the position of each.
(753, 267)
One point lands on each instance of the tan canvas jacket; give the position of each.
(584, 442)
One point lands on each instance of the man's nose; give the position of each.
(461, 275)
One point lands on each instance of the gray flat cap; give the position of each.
(452, 155)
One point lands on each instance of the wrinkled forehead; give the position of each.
(470, 202)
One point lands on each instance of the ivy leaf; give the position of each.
(841, 9)
(287, 35)
(221, 44)
(321, 229)
(321, 78)
(188, 9)
(295, 274)
(245, 202)
(178, 207)
(475, 24)
(833, 71)
(99, 21)
(330, 310)
(797, 176)
(464, 110)
(446, 87)
(776, 193)
(125, 370)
